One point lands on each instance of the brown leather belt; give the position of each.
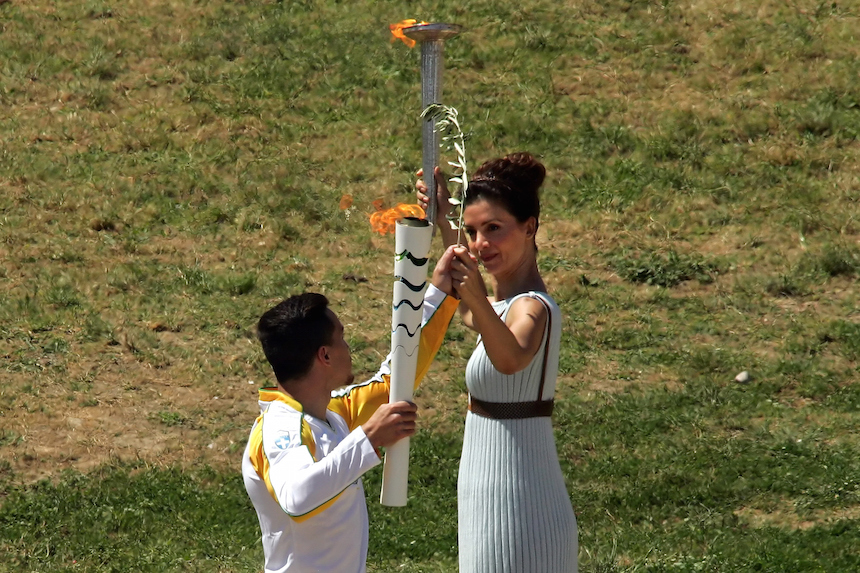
(510, 410)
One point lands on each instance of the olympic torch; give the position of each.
(431, 37)
(412, 238)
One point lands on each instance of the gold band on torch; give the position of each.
(412, 238)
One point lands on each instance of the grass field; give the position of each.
(169, 170)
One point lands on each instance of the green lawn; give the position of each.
(169, 170)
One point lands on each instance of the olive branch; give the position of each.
(447, 123)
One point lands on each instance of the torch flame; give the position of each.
(397, 31)
(383, 221)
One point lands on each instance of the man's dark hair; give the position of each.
(292, 331)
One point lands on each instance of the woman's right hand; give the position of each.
(443, 207)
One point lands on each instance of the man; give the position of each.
(312, 442)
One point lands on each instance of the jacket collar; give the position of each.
(269, 395)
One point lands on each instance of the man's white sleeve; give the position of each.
(301, 484)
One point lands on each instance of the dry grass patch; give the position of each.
(785, 515)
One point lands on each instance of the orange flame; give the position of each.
(345, 202)
(397, 31)
(383, 221)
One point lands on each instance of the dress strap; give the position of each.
(546, 346)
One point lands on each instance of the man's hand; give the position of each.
(391, 423)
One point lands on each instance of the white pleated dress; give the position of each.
(514, 511)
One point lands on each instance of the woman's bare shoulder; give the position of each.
(527, 306)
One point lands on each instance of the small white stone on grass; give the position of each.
(743, 377)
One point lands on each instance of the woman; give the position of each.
(514, 513)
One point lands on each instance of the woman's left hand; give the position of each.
(442, 273)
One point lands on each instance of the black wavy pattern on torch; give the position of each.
(406, 301)
(406, 328)
(411, 286)
(407, 254)
(393, 350)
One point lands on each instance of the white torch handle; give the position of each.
(412, 245)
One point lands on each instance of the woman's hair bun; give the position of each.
(519, 170)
